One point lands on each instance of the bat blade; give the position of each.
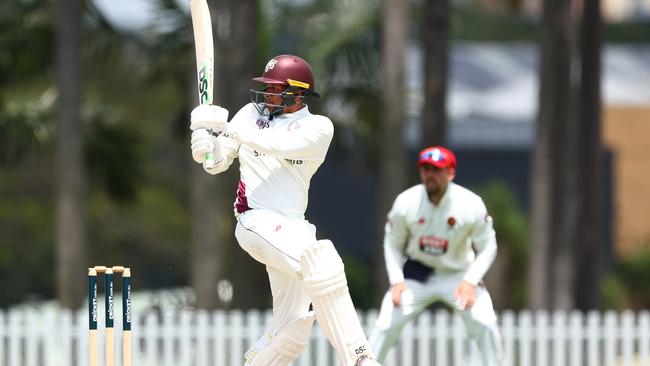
(204, 48)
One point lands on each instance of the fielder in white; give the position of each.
(438, 245)
(280, 145)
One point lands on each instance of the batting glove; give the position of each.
(208, 116)
(203, 142)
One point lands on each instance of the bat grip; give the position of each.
(209, 161)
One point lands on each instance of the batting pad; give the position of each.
(283, 347)
(325, 281)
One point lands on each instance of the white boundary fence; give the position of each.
(184, 338)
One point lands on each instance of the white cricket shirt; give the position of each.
(455, 235)
(277, 158)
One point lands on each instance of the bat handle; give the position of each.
(209, 161)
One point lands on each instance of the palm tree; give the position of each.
(29, 126)
(359, 61)
(550, 271)
(211, 242)
(392, 153)
(245, 60)
(70, 176)
(215, 252)
(207, 256)
(347, 64)
(435, 34)
(588, 261)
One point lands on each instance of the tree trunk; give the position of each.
(392, 154)
(497, 280)
(244, 58)
(249, 276)
(205, 258)
(565, 206)
(71, 261)
(548, 249)
(435, 34)
(566, 190)
(588, 262)
(209, 254)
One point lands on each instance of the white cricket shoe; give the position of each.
(366, 361)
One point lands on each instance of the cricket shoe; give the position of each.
(366, 361)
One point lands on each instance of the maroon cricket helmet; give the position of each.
(288, 70)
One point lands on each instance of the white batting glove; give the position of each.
(209, 116)
(203, 142)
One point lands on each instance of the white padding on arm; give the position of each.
(324, 277)
(282, 348)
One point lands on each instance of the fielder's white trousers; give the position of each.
(480, 319)
(278, 242)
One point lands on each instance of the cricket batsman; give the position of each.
(280, 144)
(438, 245)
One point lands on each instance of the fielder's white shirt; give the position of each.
(455, 235)
(277, 158)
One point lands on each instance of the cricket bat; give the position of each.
(204, 47)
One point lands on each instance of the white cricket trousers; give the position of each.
(480, 319)
(278, 242)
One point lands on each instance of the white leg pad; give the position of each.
(281, 348)
(325, 281)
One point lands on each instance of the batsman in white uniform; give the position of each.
(280, 145)
(438, 245)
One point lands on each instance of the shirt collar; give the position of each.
(302, 112)
(443, 199)
(445, 196)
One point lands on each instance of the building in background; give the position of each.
(612, 10)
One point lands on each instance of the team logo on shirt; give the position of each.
(421, 221)
(262, 123)
(451, 221)
(433, 245)
(293, 126)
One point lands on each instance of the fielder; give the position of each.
(438, 245)
(280, 145)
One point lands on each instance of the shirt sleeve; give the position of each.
(485, 244)
(309, 142)
(395, 240)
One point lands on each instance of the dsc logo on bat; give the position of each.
(203, 85)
